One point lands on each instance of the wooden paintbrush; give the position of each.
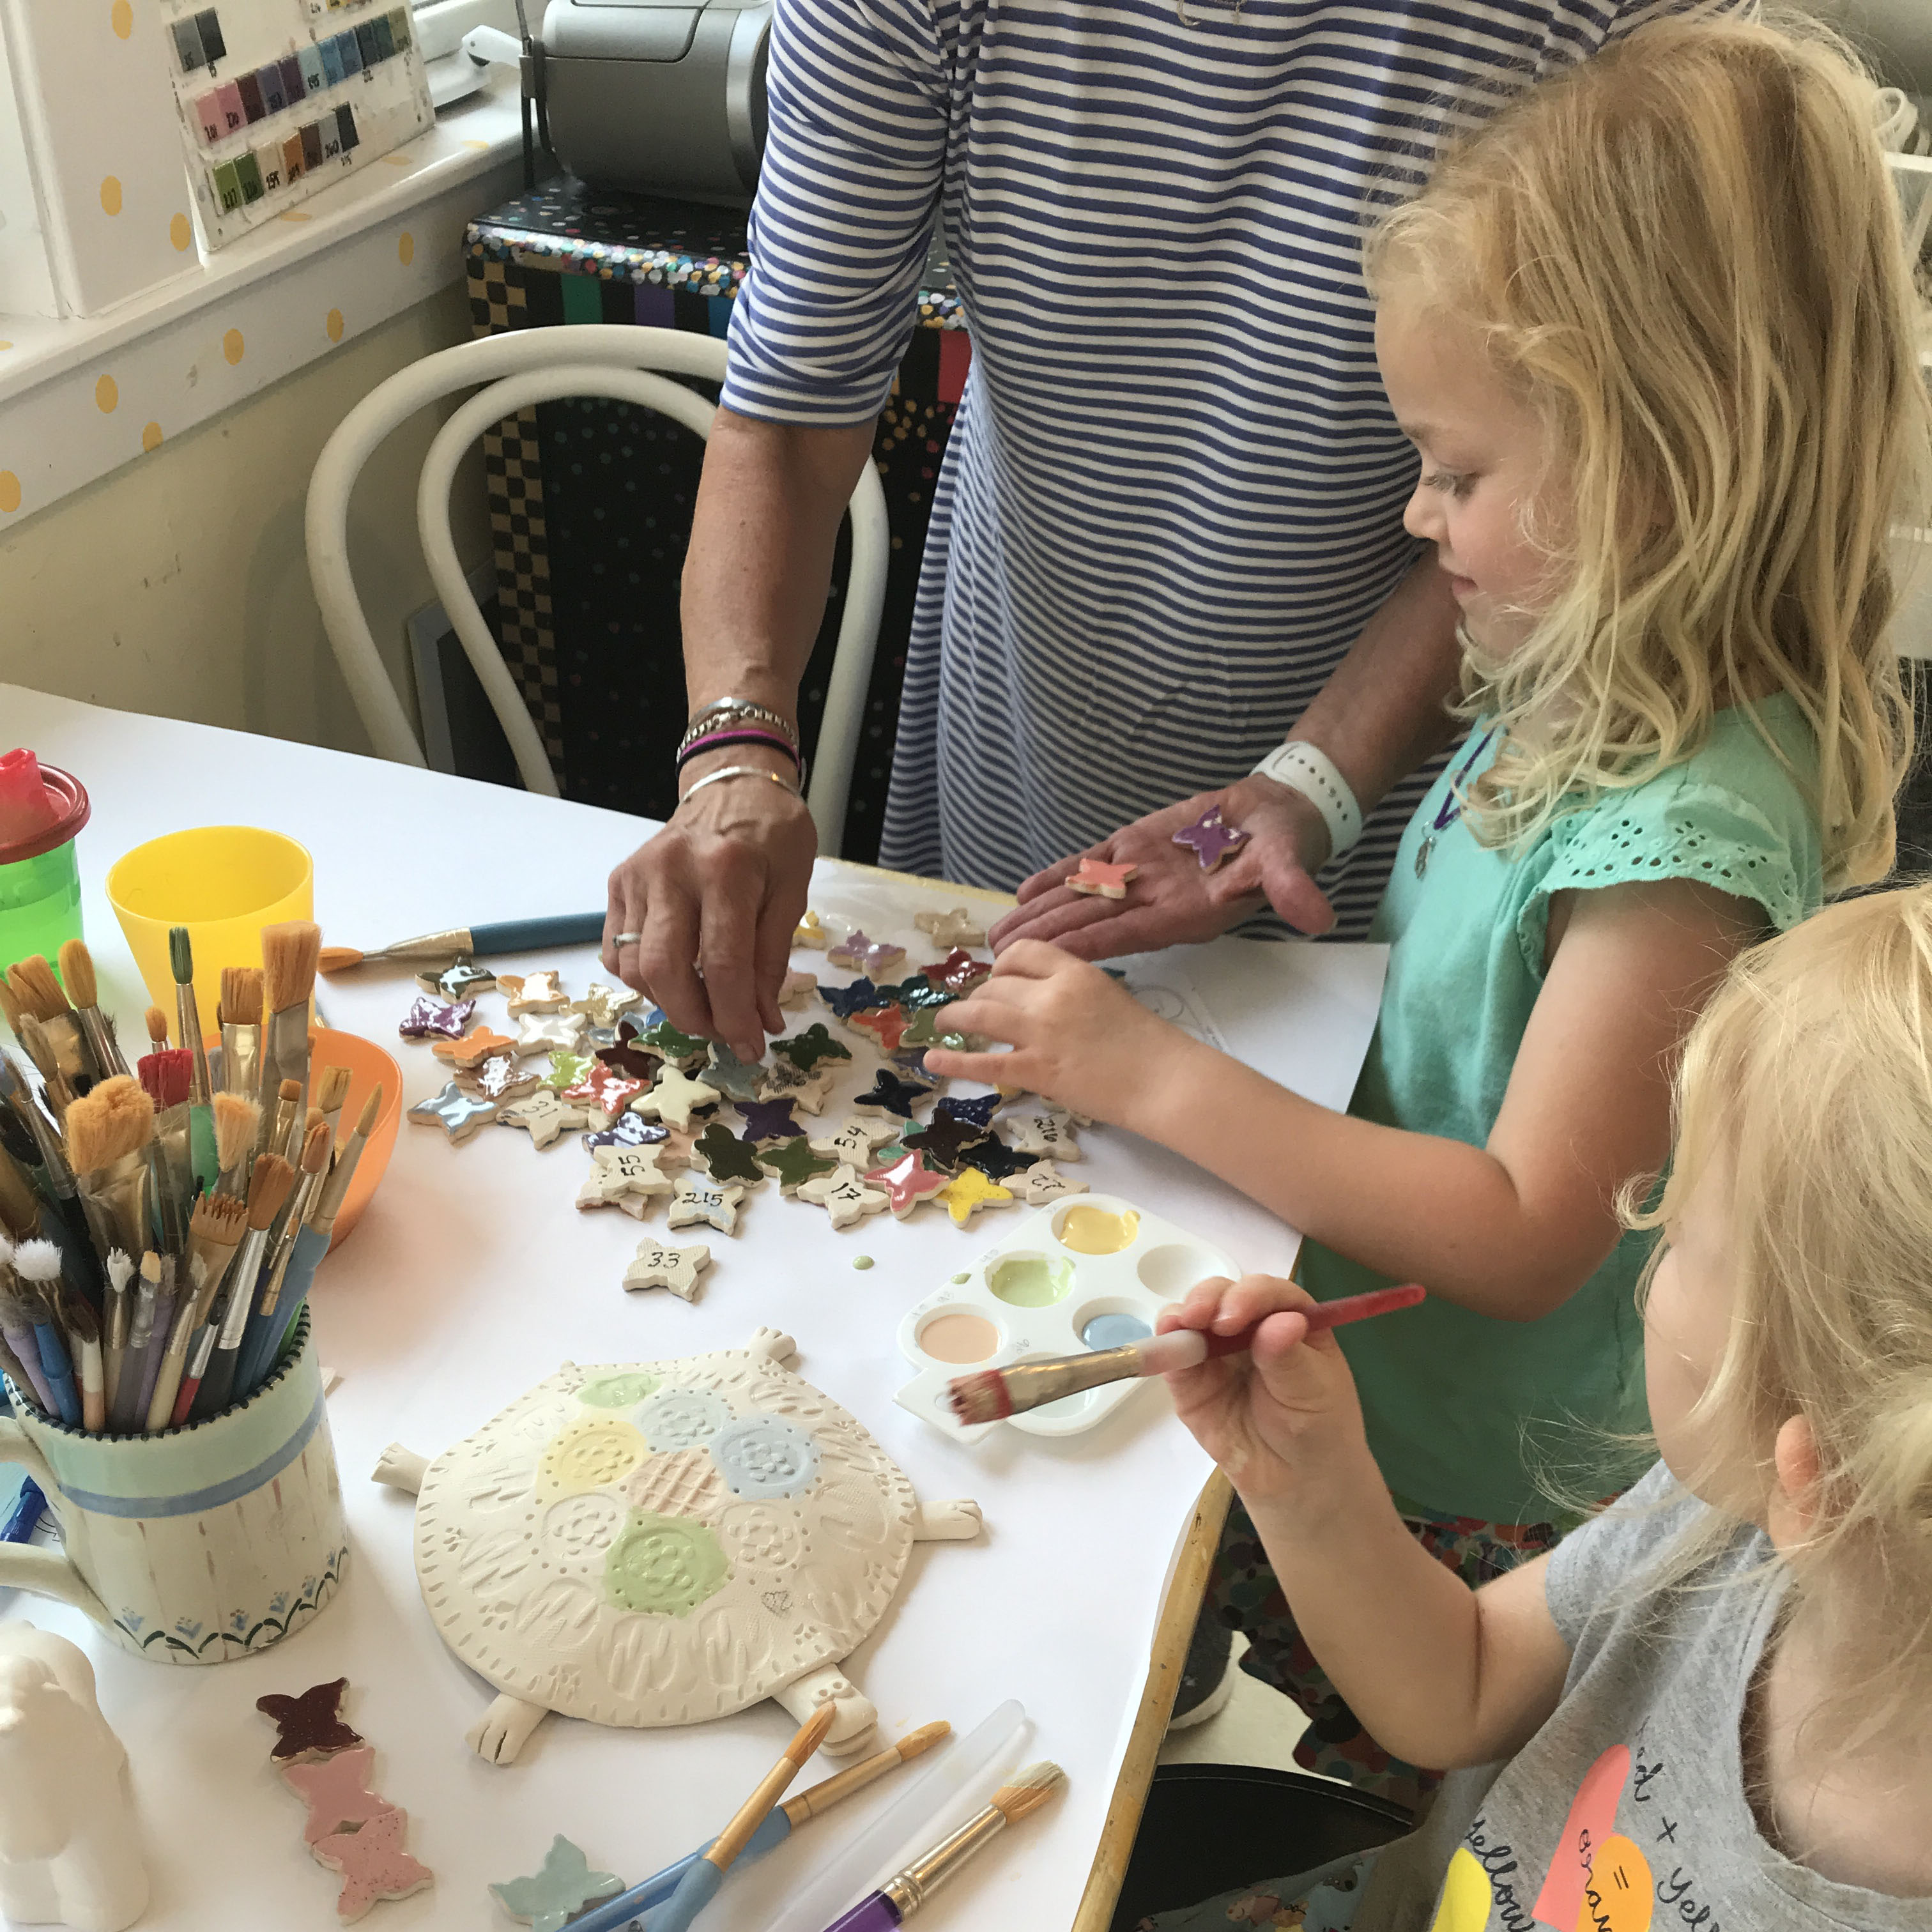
(991, 1395)
(37, 1264)
(241, 1030)
(157, 1030)
(109, 1133)
(237, 1121)
(200, 1094)
(76, 965)
(266, 1324)
(282, 1118)
(117, 1314)
(39, 992)
(335, 1188)
(268, 1186)
(331, 1092)
(288, 982)
(124, 1412)
(59, 1090)
(83, 1335)
(214, 1233)
(167, 1079)
(471, 942)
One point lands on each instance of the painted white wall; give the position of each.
(178, 585)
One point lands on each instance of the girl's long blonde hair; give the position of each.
(1688, 253)
(1807, 1085)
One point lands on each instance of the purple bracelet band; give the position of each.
(716, 741)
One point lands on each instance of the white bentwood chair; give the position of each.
(542, 365)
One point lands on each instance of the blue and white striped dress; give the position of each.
(1173, 493)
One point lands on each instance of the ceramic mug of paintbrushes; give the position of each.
(204, 1543)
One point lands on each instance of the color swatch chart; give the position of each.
(279, 97)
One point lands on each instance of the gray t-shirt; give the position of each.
(1634, 1791)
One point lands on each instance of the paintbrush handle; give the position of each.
(23, 1344)
(533, 935)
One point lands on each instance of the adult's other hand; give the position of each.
(1170, 901)
(714, 899)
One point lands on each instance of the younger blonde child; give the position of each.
(1712, 1705)
(1652, 330)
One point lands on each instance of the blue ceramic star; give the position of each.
(564, 1887)
(768, 1120)
(628, 1129)
(916, 993)
(997, 1161)
(889, 1094)
(861, 996)
(736, 1079)
(975, 1113)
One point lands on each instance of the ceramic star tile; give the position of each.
(997, 1161)
(865, 954)
(309, 1728)
(736, 1079)
(680, 1049)
(885, 1025)
(473, 1048)
(603, 1007)
(550, 1032)
(545, 1116)
(810, 932)
(566, 1070)
(847, 1000)
(1211, 839)
(459, 1114)
(676, 1098)
(970, 1191)
(1099, 879)
(1043, 1182)
(532, 993)
(462, 981)
(794, 1163)
(807, 1092)
(548, 1900)
(854, 1142)
(798, 988)
(976, 1112)
(631, 1130)
(659, 1264)
(958, 973)
(728, 1158)
(713, 1203)
(498, 1078)
(336, 1790)
(429, 1017)
(889, 1094)
(806, 1050)
(373, 1864)
(607, 1089)
(946, 1143)
(621, 1175)
(907, 1181)
(1050, 1135)
(768, 1121)
(844, 1196)
(927, 1029)
(950, 929)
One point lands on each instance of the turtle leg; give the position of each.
(957, 1521)
(401, 1468)
(504, 1728)
(857, 1714)
(773, 1344)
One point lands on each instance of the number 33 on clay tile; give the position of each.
(1099, 880)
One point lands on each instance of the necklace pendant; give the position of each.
(1422, 853)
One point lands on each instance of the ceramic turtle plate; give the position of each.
(650, 1543)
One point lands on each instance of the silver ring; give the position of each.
(620, 939)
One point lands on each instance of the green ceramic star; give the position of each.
(924, 1031)
(566, 1070)
(806, 1050)
(794, 1163)
(665, 1040)
(726, 1157)
(564, 1887)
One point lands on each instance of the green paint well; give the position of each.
(861, 1262)
(1027, 1282)
(664, 1565)
(617, 1391)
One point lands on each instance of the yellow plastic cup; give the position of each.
(224, 882)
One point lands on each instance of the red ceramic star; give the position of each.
(1095, 877)
(885, 1024)
(908, 1183)
(607, 1089)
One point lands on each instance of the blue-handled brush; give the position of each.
(477, 942)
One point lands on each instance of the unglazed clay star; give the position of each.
(499, 1077)
(336, 1791)
(885, 1024)
(619, 1176)
(566, 1884)
(631, 1130)
(806, 1050)
(736, 1079)
(907, 1181)
(1043, 1182)
(844, 1196)
(1097, 877)
(537, 993)
(603, 1007)
(958, 973)
(794, 1164)
(847, 1000)
(713, 1203)
(854, 1143)
(768, 1121)
(462, 981)
(474, 1048)
(566, 1070)
(658, 1264)
(949, 929)
(550, 1032)
(1211, 839)
(373, 1864)
(309, 1727)
(889, 1094)
(676, 1098)
(807, 1091)
(674, 1150)
(1047, 1134)
(728, 1158)
(970, 1191)
(798, 988)
(545, 1116)
(429, 1018)
(459, 1114)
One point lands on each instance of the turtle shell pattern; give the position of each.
(660, 1543)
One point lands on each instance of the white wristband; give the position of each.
(1306, 769)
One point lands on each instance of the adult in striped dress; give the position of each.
(1167, 530)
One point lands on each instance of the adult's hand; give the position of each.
(1170, 901)
(714, 899)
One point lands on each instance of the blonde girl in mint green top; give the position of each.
(1652, 331)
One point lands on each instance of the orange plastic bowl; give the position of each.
(367, 1063)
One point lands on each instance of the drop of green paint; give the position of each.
(861, 1261)
(958, 1279)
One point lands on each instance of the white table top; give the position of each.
(472, 1276)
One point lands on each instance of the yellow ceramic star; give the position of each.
(970, 1190)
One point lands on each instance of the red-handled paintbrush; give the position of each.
(991, 1395)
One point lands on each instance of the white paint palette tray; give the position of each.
(1088, 1272)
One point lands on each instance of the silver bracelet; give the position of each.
(706, 720)
(1307, 769)
(718, 777)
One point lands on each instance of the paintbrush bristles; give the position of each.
(116, 1119)
(332, 1089)
(268, 1186)
(241, 995)
(76, 965)
(338, 959)
(150, 1267)
(288, 952)
(366, 1120)
(19, 1212)
(315, 1149)
(157, 1027)
(219, 1217)
(10, 1005)
(1028, 1790)
(39, 991)
(289, 1092)
(181, 955)
(237, 1121)
(78, 1318)
(37, 1262)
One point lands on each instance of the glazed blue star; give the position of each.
(998, 1162)
(736, 1079)
(859, 998)
(768, 1120)
(550, 1899)
(916, 994)
(889, 1094)
(628, 1129)
(975, 1113)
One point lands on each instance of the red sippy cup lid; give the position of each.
(41, 806)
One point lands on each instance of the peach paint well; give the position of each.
(959, 1337)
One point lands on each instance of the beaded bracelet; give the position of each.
(736, 710)
(714, 741)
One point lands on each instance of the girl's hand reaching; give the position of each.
(1283, 1419)
(1078, 1036)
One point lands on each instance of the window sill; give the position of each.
(78, 396)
